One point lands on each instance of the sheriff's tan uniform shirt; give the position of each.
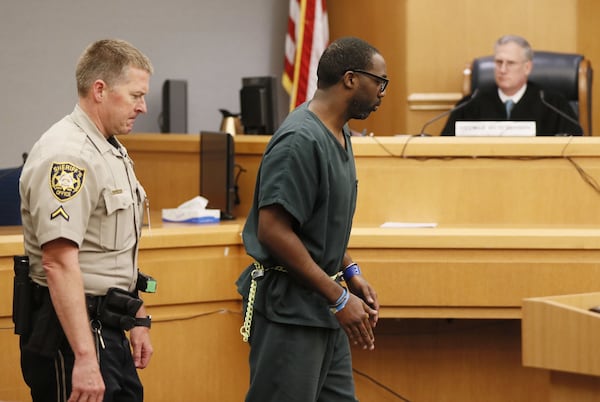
(76, 185)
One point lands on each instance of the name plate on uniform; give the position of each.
(495, 129)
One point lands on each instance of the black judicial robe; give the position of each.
(488, 106)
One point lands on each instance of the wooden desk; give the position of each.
(560, 335)
(474, 272)
(196, 314)
(449, 273)
(516, 220)
(452, 181)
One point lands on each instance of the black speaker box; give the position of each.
(259, 105)
(174, 107)
(217, 161)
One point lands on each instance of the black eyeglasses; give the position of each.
(383, 82)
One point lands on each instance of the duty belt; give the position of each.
(93, 304)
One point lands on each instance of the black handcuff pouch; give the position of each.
(118, 309)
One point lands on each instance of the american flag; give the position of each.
(306, 39)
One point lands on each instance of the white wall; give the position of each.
(210, 43)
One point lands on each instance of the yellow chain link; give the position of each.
(245, 329)
(258, 272)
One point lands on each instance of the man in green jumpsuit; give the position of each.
(299, 318)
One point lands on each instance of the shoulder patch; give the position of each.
(66, 180)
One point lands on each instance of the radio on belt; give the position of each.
(145, 283)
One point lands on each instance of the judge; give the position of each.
(514, 97)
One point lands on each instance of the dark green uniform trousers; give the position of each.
(293, 363)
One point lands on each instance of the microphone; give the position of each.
(447, 112)
(558, 111)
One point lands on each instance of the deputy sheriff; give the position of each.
(82, 211)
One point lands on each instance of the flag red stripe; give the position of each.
(306, 38)
(305, 60)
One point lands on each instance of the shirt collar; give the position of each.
(82, 120)
(515, 98)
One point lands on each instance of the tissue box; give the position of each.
(191, 215)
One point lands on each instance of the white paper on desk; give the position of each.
(408, 225)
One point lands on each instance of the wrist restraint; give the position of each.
(351, 270)
(341, 302)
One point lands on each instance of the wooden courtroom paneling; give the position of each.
(199, 354)
(168, 166)
(175, 167)
(425, 274)
(516, 220)
(381, 23)
(450, 181)
(560, 336)
(12, 387)
(560, 333)
(486, 181)
(447, 361)
(196, 313)
(588, 30)
(427, 43)
(442, 36)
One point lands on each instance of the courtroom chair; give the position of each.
(10, 200)
(566, 73)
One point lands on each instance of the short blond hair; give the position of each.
(107, 60)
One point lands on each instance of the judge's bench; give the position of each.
(489, 246)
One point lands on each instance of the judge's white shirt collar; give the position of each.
(515, 98)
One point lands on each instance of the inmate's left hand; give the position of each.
(359, 286)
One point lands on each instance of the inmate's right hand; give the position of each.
(354, 320)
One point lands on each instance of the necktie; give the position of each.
(509, 105)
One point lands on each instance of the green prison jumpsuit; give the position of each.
(298, 350)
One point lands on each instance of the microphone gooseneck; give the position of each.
(447, 112)
(558, 111)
